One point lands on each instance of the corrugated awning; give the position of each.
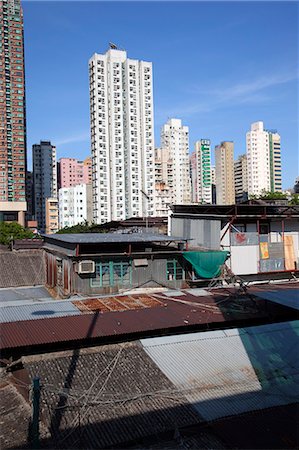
(206, 264)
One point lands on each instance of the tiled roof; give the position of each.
(22, 269)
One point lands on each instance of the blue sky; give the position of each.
(218, 66)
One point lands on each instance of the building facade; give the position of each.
(225, 180)
(193, 177)
(45, 179)
(275, 161)
(241, 179)
(163, 181)
(122, 136)
(175, 138)
(75, 205)
(201, 179)
(52, 214)
(263, 159)
(12, 114)
(71, 172)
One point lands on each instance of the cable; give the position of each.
(100, 391)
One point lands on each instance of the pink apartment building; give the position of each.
(73, 172)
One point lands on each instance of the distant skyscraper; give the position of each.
(203, 181)
(241, 179)
(275, 161)
(175, 138)
(73, 172)
(193, 175)
(45, 179)
(213, 181)
(263, 159)
(122, 137)
(30, 195)
(12, 114)
(163, 181)
(225, 182)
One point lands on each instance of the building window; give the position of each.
(112, 273)
(174, 270)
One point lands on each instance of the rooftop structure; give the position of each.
(262, 239)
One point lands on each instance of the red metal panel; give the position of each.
(173, 314)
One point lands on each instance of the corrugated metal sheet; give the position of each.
(38, 311)
(20, 294)
(224, 374)
(203, 232)
(290, 297)
(99, 238)
(174, 314)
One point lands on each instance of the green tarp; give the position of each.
(206, 264)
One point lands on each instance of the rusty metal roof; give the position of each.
(171, 313)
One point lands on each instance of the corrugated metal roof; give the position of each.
(225, 373)
(23, 293)
(290, 297)
(38, 311)
(102, 238)
(176, 313)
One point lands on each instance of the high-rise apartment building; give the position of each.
(122, 136)
(45, 179)
(241, 179)
(213, 181)
(12, 114)
(225, 180)
(71, 172)
(163, 181)
(75, 205)
(202, 177)
(193, 176)
(275, 161)
(175, 138)
(263, 159)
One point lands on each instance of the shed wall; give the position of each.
(202, 232)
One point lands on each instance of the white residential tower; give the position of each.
(175, 138)
(122, 137)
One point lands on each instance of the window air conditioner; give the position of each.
(86, 267)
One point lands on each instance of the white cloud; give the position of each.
(85, 136)
(246, 92)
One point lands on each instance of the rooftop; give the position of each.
(221, 211)
(99, 238)
(129, 316)
(233, 388)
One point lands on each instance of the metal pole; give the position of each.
(35, 413)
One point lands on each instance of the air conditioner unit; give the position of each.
(86, 267)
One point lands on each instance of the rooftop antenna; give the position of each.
(113, 46)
